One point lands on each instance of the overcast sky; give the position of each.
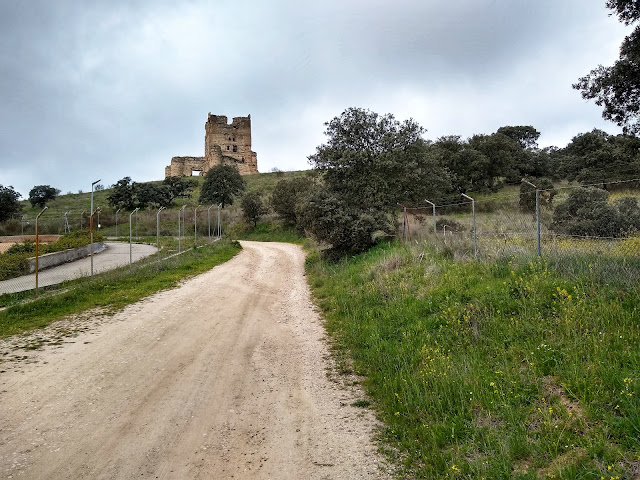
(115, 88)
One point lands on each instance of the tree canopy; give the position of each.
(129, 195)
(617, 88)
(9, 203)
(221, 185)
(375, 161)
(597, 157)
(369, 164)
(41, 194)
(526, 136)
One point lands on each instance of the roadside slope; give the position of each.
(224, 377)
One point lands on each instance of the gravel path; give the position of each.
(225, 377)
(115, 255)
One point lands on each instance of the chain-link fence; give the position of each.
(121, 239)
(537, 222)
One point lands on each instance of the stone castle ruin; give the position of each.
(224, 144)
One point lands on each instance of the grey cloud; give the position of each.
(121, 86)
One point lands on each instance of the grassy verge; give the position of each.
(504, 369)
(111, 290)
(268, 232)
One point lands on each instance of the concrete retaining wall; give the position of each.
(65, 256)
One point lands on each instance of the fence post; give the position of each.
(404, 222)
(130, 239)
(118, 210)
(219, 224)
(209, 219)
(433, 205)
(158, 231)
(537, 215)
(195, 227)
(81, 219)
(66, 222)
(538, 221)
(91, 240)
(184, 219)
(22, 223)
(179, 215)
(37, 244)
(475, 235)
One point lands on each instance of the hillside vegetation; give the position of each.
(497, 369)
(78, 205)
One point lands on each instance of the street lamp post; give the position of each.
(91, 225)
(22, 223)
(117, 222)
(37, 244)
(81, 218)
(130, 239)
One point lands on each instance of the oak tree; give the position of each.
(617, 88)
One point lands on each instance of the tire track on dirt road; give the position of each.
(224, 377)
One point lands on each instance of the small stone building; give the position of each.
(224, 144)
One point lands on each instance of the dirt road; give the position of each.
(223, 378)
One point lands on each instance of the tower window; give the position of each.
(227, 147)
(235, 148)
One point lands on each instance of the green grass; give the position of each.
(498, 369)
(109, 291)
(274, 231)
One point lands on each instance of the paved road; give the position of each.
(222, 378)
(115, 255)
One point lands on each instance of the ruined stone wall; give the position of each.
(224, 144)
(184, 166)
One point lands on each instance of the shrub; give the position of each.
(629, 212)
(345, 228)
(288, 196)
(12, 265)
(252, 207)
(18, 248)
(586, 212)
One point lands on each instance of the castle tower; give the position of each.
(224, 144)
